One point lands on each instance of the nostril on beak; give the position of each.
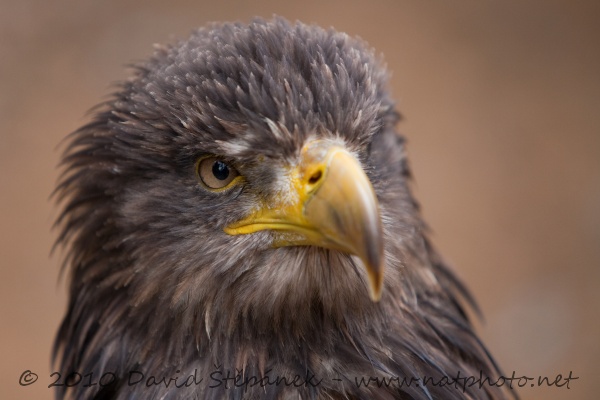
(315, 177)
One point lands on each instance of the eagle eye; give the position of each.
(215, 173)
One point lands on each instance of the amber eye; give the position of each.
(215, 173)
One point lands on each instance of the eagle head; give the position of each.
(242, 202)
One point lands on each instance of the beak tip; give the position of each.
(375, 283)
(375, 295)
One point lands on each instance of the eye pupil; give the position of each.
(220, 170)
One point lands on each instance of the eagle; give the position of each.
(238, 224)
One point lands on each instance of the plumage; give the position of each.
(165, 281)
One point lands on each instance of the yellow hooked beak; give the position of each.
(334, 207)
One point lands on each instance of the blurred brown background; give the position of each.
(502, 110)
